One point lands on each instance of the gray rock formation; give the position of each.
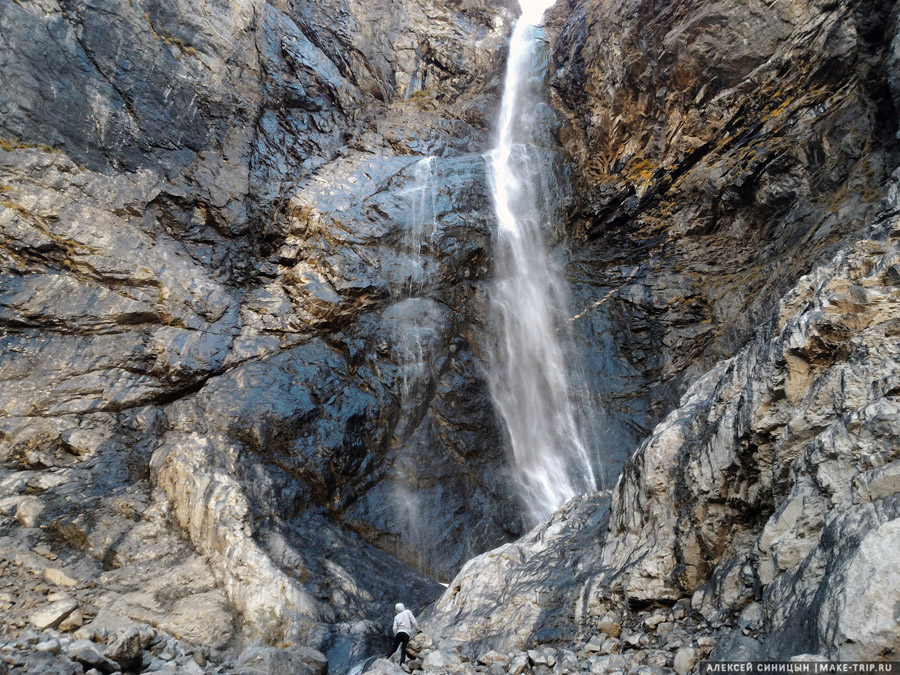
(767, 499)
(243, 256)
(214, 323)
(746, 509)
(720, 150)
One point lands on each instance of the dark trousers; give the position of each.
(401, 639)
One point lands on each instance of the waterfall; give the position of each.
(419, 236)
(415, 323)
(530, 374)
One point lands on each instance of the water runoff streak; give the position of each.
(529, 370)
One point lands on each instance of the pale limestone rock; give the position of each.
(491, 657)
(519, 664)
(211, 506)
(706, 644)
(685, 660)
(546, 656)
(59, 577)
(29, 510)
(51, 615)
(610, 625)
(271, 661)
(595, 644)
(467, 668)
(566, 662)
(125, 647)
(441, 659)
(651, 622)
(860, 620)
(385, 667)
(610, 646)
(52, 646)
(71, 622)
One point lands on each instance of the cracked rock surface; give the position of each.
(244, 257)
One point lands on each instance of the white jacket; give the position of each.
(404, 622)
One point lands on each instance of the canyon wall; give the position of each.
(220, 346)
(242, 323)
(738, 224)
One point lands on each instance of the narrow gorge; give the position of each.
(572, 326)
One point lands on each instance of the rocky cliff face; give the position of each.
(755, 520)
(721, 150)
(219, 342)
(766, 500)
(244, 253)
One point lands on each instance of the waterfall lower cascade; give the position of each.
(419, 236)
(415, 326)
(530, 373)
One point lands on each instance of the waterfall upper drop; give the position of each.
(531, 377)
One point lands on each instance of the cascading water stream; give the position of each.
(529, 370)
(414, 331)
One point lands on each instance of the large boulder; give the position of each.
(272, 661)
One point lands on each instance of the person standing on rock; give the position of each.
(404, 624)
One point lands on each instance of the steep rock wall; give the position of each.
(772, 487)
(758, 513)
(720, 151)
(207, 305)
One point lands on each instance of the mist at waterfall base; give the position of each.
(536, 386)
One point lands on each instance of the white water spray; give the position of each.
(530, 373)
(414, 318)
(419, 236)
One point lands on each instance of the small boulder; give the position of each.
(29, 511)
(125, 648)
(594, 645)
(51, 646)
(632, 638)
(519, 664)
(71, 622)
(651, 622)
(610, 625)
(610, 646)
(59, 577)
(706, 644)
(491, 657)
(496, 668)
(566, 662)
(53, 614)
(751, 616)
(418, 644)
(685, 660)
(441, 659)
(91, 655)
(546, 656)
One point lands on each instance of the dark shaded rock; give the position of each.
(91, 655)
(207, 254)
(125, 648)
(713, 170)
(737, 647)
